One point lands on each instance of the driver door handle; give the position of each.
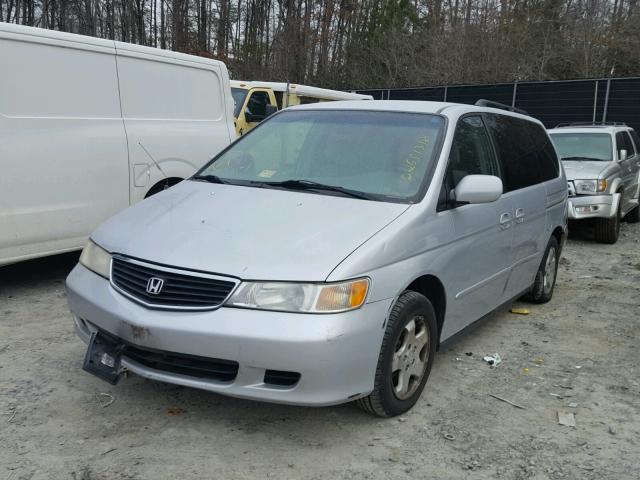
(519, 215)
(505, 220)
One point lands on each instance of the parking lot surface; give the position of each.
(576, 355)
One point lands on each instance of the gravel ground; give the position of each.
(576, 354)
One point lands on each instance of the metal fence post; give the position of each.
(515, 91)
(606, 101)
(445, 94)
(595, 102)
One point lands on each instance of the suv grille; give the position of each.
(572, 189)
(178, 289)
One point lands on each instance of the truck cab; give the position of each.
(254, 101)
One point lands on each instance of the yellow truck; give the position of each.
(255, 101)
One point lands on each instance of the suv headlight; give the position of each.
(586, 187)
(301, 297)
(96, 259)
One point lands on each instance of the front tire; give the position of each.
(406, 357)
(608, 229)
(545, 281)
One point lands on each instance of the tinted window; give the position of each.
(636, 139)
(623, 142)
(583, 146)
(386, 155)
(525, 151)
(471, 152)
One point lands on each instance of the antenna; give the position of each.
(153, 160)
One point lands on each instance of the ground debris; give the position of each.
(105, 399)
(507, 401)
(567, 419)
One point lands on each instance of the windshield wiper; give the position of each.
(585, 158)
(208, 178)
(311, 185)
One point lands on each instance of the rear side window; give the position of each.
(525, 151)
(471, 152)
(623, 142)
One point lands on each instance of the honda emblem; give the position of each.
(154, 285)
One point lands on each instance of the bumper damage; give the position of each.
(335, 355)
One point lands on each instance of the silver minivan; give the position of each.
(325, 256)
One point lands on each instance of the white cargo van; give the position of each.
(90, 126)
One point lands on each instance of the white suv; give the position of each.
(602, 164)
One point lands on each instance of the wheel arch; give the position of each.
(162, 184)
(431, 287)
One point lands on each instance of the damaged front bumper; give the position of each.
(333, 355)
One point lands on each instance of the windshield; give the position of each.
(583, 146)
(239, 95)
(378, 155)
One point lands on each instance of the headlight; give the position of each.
(590, 186)
(301, 297)
(96, 259)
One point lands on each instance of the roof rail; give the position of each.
(591, 124)
(488, 103)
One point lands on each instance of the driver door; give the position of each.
(479, 257)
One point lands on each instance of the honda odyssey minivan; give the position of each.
(326, 255)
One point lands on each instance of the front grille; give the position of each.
(180, 289)
(190, 365)
(572, 189)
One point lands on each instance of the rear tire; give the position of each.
(545, 281)
(406, 357)
(634, 215)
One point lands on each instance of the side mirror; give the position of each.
(251, 117)
(622, 155)
(478, 189)
(270, 110)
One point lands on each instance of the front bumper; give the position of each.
(335, 354)
(593, 206)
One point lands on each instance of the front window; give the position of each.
(583, 146)
(372, 155)
(239, 94)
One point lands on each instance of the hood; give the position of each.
(249, 233)
(584, 170)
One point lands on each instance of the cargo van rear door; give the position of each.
(62, 142)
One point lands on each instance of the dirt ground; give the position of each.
(577, 354)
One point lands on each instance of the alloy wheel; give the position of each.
(410, 358)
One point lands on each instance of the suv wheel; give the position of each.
(608, 229)
(406, 357)
(542, 289)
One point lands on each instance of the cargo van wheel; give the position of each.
(163, 185)
(405, 360)
(545, 281)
